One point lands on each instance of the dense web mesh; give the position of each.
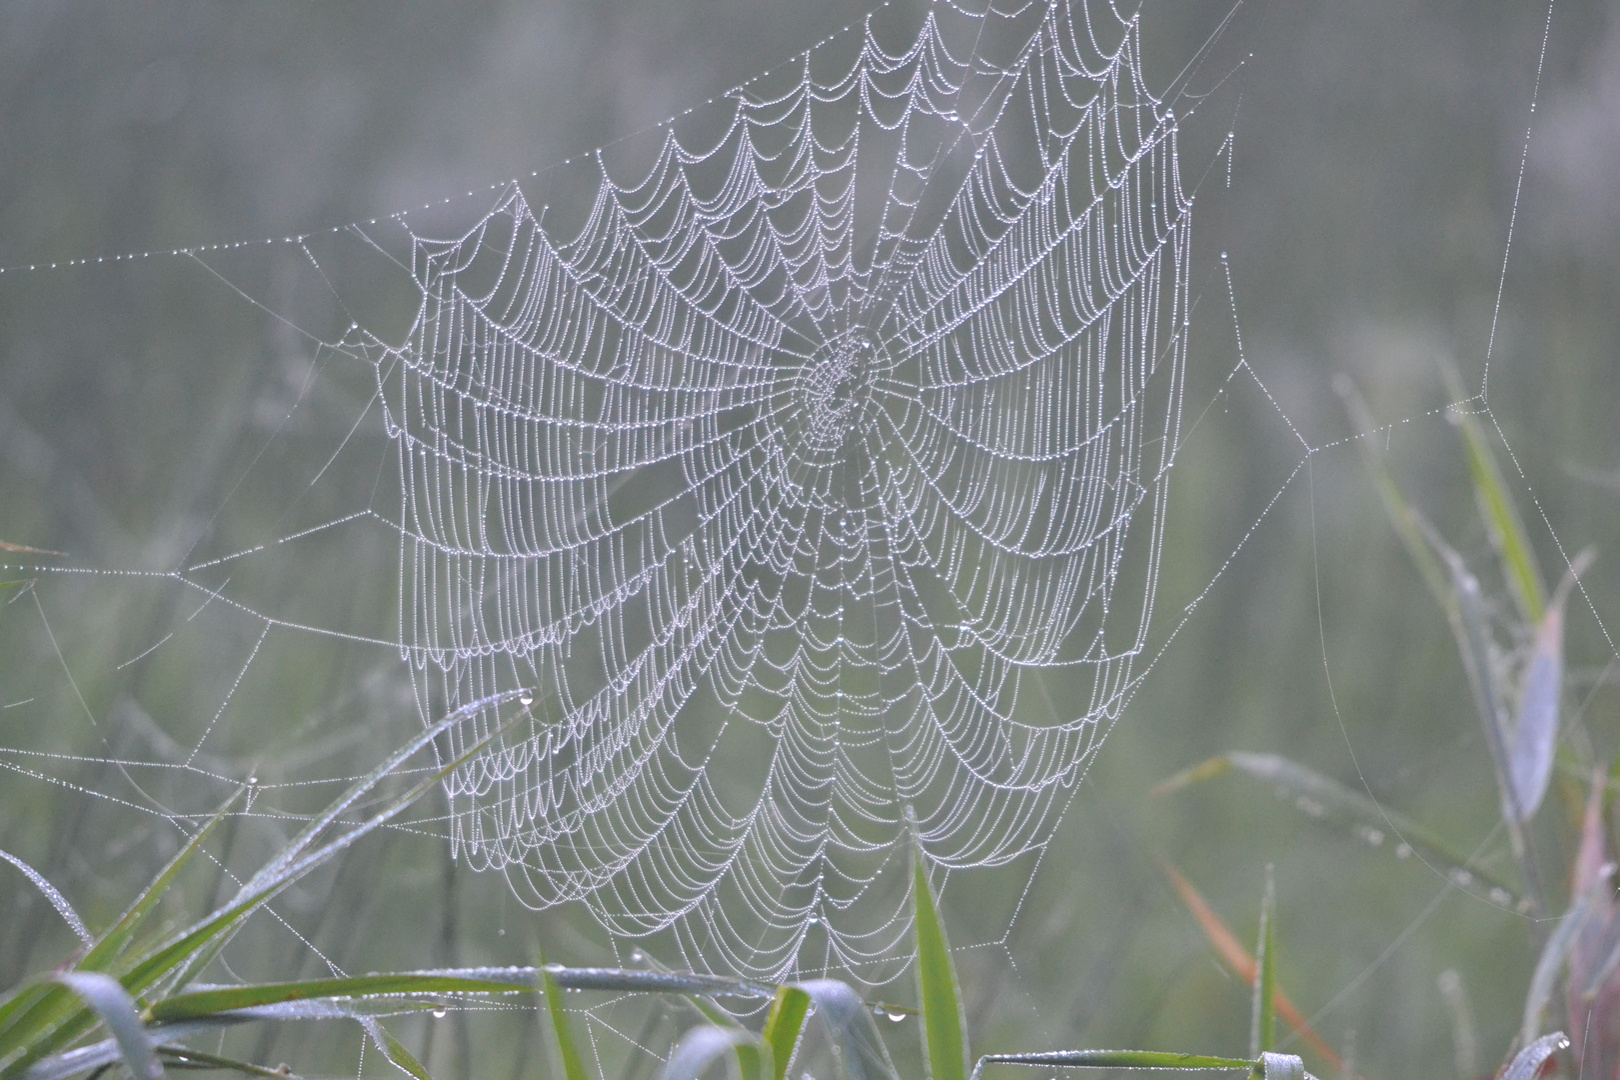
(783, 470)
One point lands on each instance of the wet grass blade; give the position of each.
(1263, 1014)
(117, 1010)
(1242, 964)
(1527, 1063)
(562, 1031)
(1325, 799)
(184, 1057)
(702, 1046)
(49, 891)
(112, 942)
(395, 1051)
(1501, 516)
(1535, 731)
(944, 1036)
(202, 1003)
(783, 1026)
(1405, 520)
(854, 1034)
(1550, 964)
(1114, 1059)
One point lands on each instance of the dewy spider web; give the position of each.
(781, 472)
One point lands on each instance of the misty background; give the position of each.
(1377, 150)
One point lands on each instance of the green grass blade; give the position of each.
(1326, 800)
(783, 1025)
(854, 1034)
(209, 1002)
(1527, 1063)
(1115, 1059)
(359, 789)
(117, 1011)
(49, 891)
(395, 1051)
(562, 1031)
(1405, 520)
(187, 1058)
(188, 954)
(945, 1043)
(1501, 517)
(111, 943)
(1263, 1015)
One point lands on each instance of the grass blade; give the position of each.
(1500, 515)
(117, 1010)
(702, 1046)
(1527, 1063)
(1535, 731)
(394, 1050)
(1325, 799)
(856, 1042)
(1114, 1059)
(562, 1031)
(1242, 964)
(185, 1057)
(58, 901)
(1263, 1013)
(1548, 966)
(112, 943)
(783, 1025)
(945, 1046)
(1281, 1066)
(1535, 734)
(1405, 520)
(214, 1000)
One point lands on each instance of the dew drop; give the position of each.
(895, 1015)
(501, 932)
(1403, 851)
(253, 781)
(814, 919)
(438, 1014)
(525, 698)
(637, 957)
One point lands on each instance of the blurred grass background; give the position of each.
(1377, 149)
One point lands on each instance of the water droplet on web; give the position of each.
(253, 781)
(525, 698)
(637, 957)
(813, 920)
(438, 1014)
(1403, 851)
(501, 932)
(895, 1015)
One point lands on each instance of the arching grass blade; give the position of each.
(854, 1034)
(49, 891)
(1527, 1063)
(117, 1010)
(1326, 800)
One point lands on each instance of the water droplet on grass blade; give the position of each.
(895, 1015)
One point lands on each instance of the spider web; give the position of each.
(780, 470)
